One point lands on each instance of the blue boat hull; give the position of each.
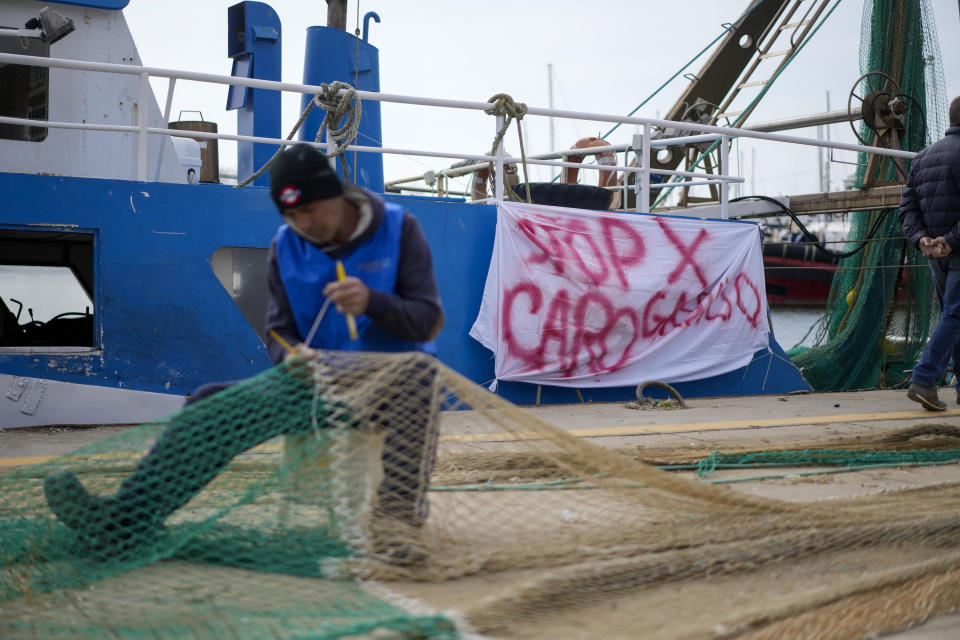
(164, 323)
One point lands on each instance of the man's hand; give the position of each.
(941, 248)
(301, 361)
(934, 247)
(350, 295)
(301, 351)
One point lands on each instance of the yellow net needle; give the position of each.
(283, 343)
(351, 321)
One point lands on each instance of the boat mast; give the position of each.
(550, 103)
(337, 14)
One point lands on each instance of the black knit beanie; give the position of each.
(301, 174)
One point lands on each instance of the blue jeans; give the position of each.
(945, 341)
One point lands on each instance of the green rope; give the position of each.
(823, 457)
(780, 476)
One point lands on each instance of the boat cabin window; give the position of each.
(46, 290)
(24, 90)
(243, 273)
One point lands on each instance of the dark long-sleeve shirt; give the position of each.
(412, 312)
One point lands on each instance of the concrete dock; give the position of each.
(770, 421)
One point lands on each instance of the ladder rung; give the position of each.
(728, 114)
(794, 24)
(755, 83)
(774, 54)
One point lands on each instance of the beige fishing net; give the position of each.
(386, 494)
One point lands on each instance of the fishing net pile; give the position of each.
(337, 499)
(882, 303)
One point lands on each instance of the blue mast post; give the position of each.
(253, 41)
(332, 55)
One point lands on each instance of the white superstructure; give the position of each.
(99, 35)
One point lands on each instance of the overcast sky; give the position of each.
(607, 57)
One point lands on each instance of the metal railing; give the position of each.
(644, 143)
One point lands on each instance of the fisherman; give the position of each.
(392, 296)
(340, 246)
(930, 216)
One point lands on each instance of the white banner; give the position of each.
(593, 299)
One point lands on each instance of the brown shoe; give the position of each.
(927, 396)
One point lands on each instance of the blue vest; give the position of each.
(305, 270)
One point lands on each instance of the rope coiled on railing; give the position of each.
(504, 105)
(342, 105)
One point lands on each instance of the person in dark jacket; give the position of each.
(343, 247)
(930, 216)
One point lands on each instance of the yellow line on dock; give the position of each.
(636, 430)
(23, 462)
(632, 430)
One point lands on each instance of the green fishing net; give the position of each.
(228, 527)
(882, 303)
